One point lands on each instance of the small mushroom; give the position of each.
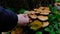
(46, 8)
(43, 18)
(31, 12)
(36, 25)
(44, 13)
(39, 10)
(41, 7)
(33, 16)
(30, 21)
(35, 10)
(45, 24)
(48, 11)
(26, 12)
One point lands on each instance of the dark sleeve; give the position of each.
(8, 19)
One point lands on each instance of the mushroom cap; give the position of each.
(33, 16)
(45, 24)
(35, 25)
(43, 18)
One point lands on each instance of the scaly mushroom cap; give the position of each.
(33, 16)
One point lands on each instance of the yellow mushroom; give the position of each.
(36, 25)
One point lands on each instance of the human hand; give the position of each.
(23, 19)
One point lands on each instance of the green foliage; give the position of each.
(57, 31)
(51, 18)
(54, 17)
(57, 0)
(47, 29)
(39, 32)
(21, 11)
(10, 8)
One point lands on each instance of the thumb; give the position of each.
(26, 18)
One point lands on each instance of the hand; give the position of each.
(23, 19)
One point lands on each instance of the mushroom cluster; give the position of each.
(39, 17)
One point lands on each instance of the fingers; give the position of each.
(23, 19)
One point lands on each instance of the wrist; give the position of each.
(18, 19)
